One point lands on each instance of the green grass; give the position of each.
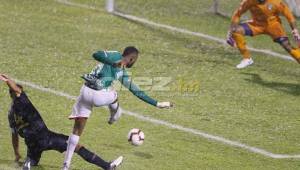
(50, 44)
(193, 15)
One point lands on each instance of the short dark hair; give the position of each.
(11, 90)
(130, 50)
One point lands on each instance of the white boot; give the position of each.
(114, 164)
(245, 63)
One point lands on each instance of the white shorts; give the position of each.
(90, 98)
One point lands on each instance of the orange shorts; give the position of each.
(275, 29)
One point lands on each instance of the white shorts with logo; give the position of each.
(90, 98)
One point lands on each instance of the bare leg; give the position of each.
(79, 126)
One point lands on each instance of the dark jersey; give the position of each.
(25, 119)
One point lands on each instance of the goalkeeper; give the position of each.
(265, 20)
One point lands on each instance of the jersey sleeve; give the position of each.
(106, 57)
(284, 9)
(244, 7)
(134, 89)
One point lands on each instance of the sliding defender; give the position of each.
(97, 91)
(265, 20)
(26, 121)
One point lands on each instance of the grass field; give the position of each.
(50, 44)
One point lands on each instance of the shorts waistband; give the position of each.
(96, 89)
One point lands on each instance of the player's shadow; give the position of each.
(18, 165)
(289, 88)
(114, 146)
(143, 155)
(11, 163)
(48, 167)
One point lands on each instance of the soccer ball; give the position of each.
(136, 137)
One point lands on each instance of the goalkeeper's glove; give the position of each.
(230, 39)
(164, 105)
(296, 36)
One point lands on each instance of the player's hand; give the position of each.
(164, 105)
(17, 157)
(4, 77)
(296, 36)
(230, 39)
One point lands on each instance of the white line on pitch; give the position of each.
(175, 29)
(197, 34)
(66, 2)
(173, 126)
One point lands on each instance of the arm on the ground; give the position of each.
(134, 89)
(11, 84)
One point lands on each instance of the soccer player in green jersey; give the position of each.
(97, 91)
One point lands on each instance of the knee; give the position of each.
(114, 106)
(73, 139)
(238, 30)
(284, 42)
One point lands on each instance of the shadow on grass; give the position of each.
(115, 146)
(289, 88)
(143, 155)
(11, 164)
(18, 165)
(47, 167)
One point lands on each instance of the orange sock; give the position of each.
(241, 45)
(296, 54)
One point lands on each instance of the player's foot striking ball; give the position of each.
(265, 20)
(26, 121)
(97, 91)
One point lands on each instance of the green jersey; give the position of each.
(105, 73)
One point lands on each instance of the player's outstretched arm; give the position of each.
(11, 84)
(235, 20)
(244, 7)
(292, 21)
(284, 9)
(295, 33)
(125, 80)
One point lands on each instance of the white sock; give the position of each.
(115, 109)
(72, 143)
